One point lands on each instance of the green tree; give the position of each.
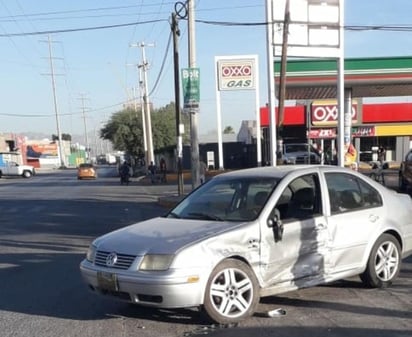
(65, 136)
(228, 130)
(125, 129)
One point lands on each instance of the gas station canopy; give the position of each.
(367, 77)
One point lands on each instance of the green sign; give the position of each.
(191, 88)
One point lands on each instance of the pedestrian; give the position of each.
(381, 155)
(163, 169)
(152, 172)
(202, 171)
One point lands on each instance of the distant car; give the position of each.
(252, 233)
(86, 171)
(405, 172)
(300, 153)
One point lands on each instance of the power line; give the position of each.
(71, 30)
(84, 10)
(394, 27)
(162, 66)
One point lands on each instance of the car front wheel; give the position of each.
(231, 292)
(27, 174)
(384, 262)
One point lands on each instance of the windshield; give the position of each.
(296, 148)
(226, 199)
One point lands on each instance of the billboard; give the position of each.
(236, 73)
(313, 29)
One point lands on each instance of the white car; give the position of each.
(253, 233)
(300, 153)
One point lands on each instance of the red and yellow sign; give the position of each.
(326, 113)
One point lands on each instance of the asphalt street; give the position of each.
(47, 223)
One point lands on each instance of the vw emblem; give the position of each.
(111, 259)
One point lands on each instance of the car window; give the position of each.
(409, 156)
(238, 199)
(348, 193)
(301, 199)
(296, 148)
(86, 165)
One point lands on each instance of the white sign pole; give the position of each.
(219, 117)
(271, 82)
(341, 90)
(258, 130)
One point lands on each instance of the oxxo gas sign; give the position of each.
(236, 74)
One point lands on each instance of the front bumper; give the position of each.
(170, 289)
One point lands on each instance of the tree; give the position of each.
(65, 136)
(125, 129)
(228, 130)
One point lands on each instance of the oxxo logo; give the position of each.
(237, 71)
(328, 113)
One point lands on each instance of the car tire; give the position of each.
(27, 174)
(384, 262)
(232, 292)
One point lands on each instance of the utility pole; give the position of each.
(139, 68)
(141, 95)
(179, 146)
(86, 139)
(146, 103)
(193, 114)
(59, 135)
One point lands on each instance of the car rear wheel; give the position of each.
(231, 292)
(384, 262)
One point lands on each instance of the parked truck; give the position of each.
(10, 167)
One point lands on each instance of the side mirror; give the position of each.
(276, 224)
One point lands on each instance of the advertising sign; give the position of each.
(191, 88)
(322, 133)
(327, 113)
(236, 74)
(313, 30)
(364, 131)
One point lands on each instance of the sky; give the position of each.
(96, 70)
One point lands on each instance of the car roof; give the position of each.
(282, 170)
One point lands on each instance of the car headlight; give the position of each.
(156, 262)
(91, 253)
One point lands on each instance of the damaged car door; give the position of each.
(300, 255)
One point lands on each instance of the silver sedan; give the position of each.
(253, 233)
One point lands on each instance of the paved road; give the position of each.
(46, 224)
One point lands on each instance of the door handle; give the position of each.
(373, 218)
(320, 227)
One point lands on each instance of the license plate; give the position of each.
(107, 281)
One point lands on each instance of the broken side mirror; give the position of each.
(276, 224)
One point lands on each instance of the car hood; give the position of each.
(161, 235)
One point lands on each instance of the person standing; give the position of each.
(381, 155)
(163, 169)
(202, 171)
(152, 171)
